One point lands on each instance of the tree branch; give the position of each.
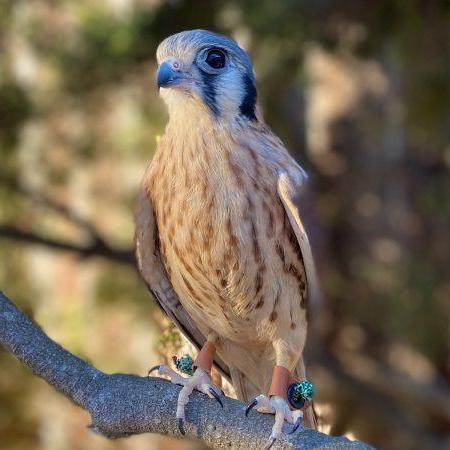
(121, 405)
(97, 248)
(43, 200)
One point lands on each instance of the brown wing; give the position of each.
(286, 191)
(152, 270)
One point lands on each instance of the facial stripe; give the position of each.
(209, 91)
(247, 107)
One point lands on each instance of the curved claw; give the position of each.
(251, 406)
(269, 445)
(296, 425)
(181, 426)
(153, 369)
(216, 396)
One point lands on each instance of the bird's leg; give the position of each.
(200, 380)
(276, 401)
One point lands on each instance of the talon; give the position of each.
(251, 406)
(216, 396)
(269, 445)
(181, 426)
(296, 425)
(153, 369)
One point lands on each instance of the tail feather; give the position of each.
(245, 389)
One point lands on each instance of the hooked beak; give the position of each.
(167, 75)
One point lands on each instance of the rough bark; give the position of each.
(121, 405)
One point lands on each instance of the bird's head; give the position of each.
(205, 70)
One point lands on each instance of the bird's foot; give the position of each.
(200, 381)
(280, 407)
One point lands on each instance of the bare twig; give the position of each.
(45, 201)
(97, 248)
(121, 405)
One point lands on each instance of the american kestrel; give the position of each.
(219, 239)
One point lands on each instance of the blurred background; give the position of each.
(360, 93)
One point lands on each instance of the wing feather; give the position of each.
(286, 190)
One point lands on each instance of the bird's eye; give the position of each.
(216, 59)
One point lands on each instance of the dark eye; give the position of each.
(216, 59)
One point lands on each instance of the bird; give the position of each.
(220, 239)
